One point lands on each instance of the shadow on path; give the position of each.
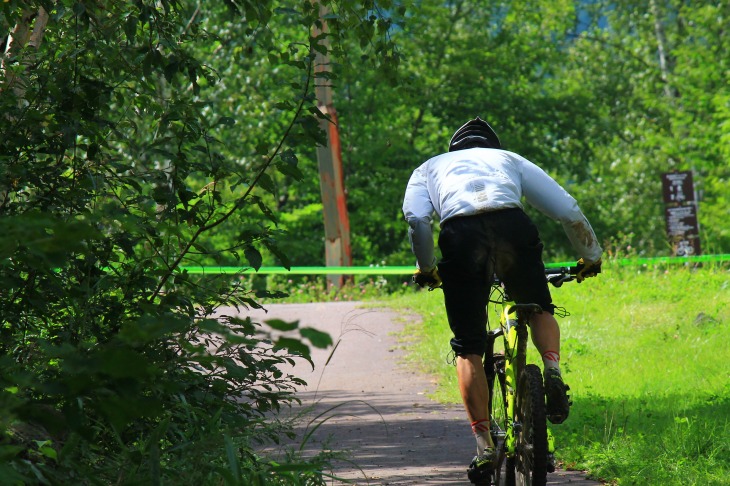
(392, 442)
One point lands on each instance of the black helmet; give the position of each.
(474, 133)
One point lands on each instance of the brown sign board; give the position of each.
(683, 229)
(678, 187)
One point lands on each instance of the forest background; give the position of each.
(139, 137)
(604, 96)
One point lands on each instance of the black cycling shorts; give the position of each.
(475, 248)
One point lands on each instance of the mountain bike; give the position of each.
(525, 445)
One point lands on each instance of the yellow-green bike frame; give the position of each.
(504, 372)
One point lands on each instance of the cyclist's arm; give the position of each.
(418, 211)
(549, 197)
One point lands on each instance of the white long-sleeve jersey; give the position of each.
(479, 180)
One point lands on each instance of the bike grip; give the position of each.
(594, 269)
(581, 265)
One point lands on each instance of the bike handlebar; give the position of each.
(555, 276)
(558, 276)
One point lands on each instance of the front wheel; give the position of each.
(531, 449)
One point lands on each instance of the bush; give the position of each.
(115, 365)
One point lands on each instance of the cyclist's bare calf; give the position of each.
(475, 393)
(546, 338)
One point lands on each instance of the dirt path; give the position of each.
(396, 434)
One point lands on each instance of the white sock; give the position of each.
(551, 359)
(481, 432)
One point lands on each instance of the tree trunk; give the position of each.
(20, 37)
(665, 62)
(332, 182)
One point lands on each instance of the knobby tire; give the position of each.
(531, 458)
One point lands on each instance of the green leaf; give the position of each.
(288, 165)
(321, 48)
(186, 196)
(271, 294)
(283, 258)
(267, 212)
(294, 346)
(122, 363)
(226, 120)
(286, 11)
(318, 339)
(253, 256)
(284, 105)
(149, 328)
(46, 449)
(130, 28)
(266, 183)
(9, 451)
(232, 456)
(289, 157)
(170, 70)
(281, 325)
(212, 325)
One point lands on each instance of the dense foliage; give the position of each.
(605, 96)
(137, 137)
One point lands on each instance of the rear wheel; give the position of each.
(504, 472)
(531, 450)
(498, 401)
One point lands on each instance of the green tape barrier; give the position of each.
(673, 260)
(634, 262)
(302, 270)
(408, 270)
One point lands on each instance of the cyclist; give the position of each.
(475, 189)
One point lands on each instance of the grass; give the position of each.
(646, 354)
